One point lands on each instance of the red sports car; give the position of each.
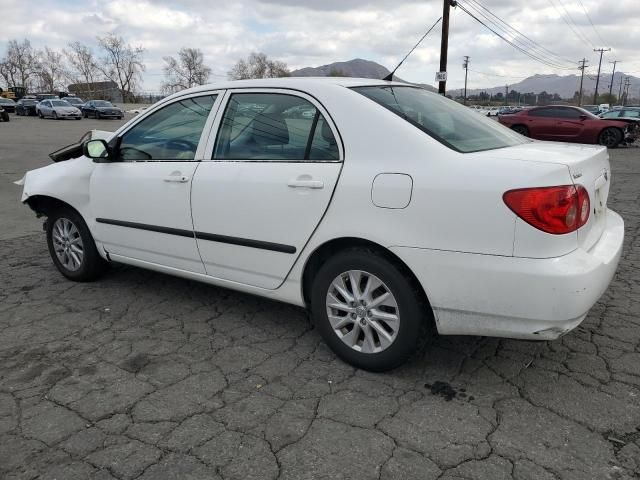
(569, 124)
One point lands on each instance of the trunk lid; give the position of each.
(588, 166)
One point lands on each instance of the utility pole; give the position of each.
(613, 74)
(583, 65)
(444, 43)
(627, 84)
(601, 50)
(506, 95)
(465, 65)
(620, 90)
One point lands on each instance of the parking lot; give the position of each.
(142, 375)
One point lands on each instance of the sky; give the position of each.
(317, 32)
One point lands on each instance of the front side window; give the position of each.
(569, 113)
(171, 133)
(274, 127)
(445, 120)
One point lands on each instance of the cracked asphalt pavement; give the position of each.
(142, 375)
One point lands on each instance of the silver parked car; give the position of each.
(57, 109)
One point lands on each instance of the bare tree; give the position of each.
(51, 70)
(122, 63)
(20, 64)
(258, 65)
(82, 67)
(186, 71)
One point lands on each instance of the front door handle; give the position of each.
(176, 177)
(299, 183)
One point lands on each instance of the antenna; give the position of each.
(390, 76)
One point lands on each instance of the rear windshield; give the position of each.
(448, 122)
(59, 103)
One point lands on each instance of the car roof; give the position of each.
(294, 83)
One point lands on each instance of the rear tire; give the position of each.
(71, 246)
(521, 129)
(403, 335)
(610, 137)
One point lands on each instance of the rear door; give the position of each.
(274, 160)
(541, 123)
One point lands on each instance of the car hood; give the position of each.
(66, 109)
(107, 108)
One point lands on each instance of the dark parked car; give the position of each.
(569, 124)
(74, 101)
(26, 106)
(8, 105)
(101, 109)
(4, 116)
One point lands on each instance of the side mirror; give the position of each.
(97, 150)
(583, 117)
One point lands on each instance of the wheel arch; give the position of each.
(44, 205)
(615, 127)
(330, 247)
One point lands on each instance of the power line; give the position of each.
(578, 35)
(497, 75)
(591, 22)
(517, 33)
(517, 47)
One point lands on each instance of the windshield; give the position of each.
(445, 120)
(102, 103)
(7, 101)
(59, 103)
(74, 100)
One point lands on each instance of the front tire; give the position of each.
(71, 246)
(367, 310)
(610, 137)
(55, 115)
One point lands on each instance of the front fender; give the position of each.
(65, 181)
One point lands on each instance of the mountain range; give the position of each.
(563, 85)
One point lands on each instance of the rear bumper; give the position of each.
(535, 299)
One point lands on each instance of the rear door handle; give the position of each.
(305, 184)
(177, 178)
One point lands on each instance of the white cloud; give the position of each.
(315, 32)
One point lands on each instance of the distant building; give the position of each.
(97, 91)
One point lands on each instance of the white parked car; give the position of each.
(57, 109)
(391, 213)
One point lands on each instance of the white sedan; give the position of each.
(57, 109)
(390, 213)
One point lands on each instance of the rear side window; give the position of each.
(542, 112)
(567, 113)
(631, 113)
(274, 127)
(445, 120)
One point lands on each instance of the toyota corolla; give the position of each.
(391, 213)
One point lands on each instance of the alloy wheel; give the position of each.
(609, 137)
(363, 311)
(67, 244)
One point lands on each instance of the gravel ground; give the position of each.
(141, 375)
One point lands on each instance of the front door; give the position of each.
(141, 201)
(256, 203)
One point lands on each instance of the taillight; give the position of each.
(557, 210)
